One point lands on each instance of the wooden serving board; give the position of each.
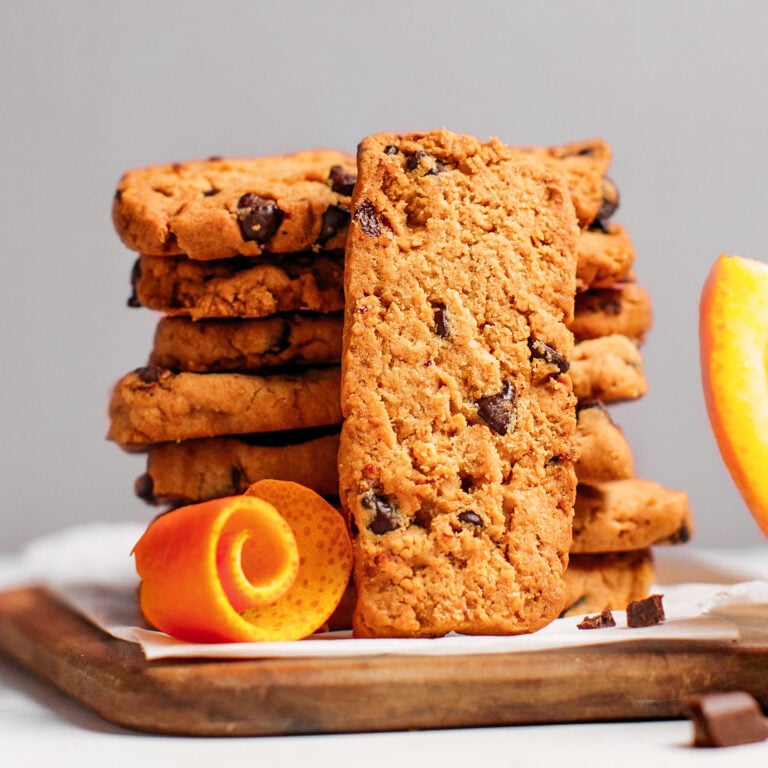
(639, 680)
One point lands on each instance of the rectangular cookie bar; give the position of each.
(456, 454)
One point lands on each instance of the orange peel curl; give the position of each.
(270, 565)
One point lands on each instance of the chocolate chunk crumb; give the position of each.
(598, 621)
(645, 612)
(133, 299)
(366, 217)
(259, 219)
(726, 719)
(335, 219)
(144, 488)
(384, 515)
(471, 518)
(441, 325)
(548, 355)
(498, 411)
(342, 181)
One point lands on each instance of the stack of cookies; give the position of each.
(244, 259)
(618, 517)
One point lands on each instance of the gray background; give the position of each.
(91, 89)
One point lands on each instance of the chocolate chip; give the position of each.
(391, 149)
(584, 152)
(118, 195)
(441, 324)
(645, 612)
(144, 488)
(211, 192)
(681, 536)
(550, 356)
(598, 225)
(335, 219)
(235, 479)
(471, 518)
(258, 217)
(498, 411)
(385, 517)
(150, 374)
(412, 159)
(365, 216)
(467, 482)
(590, 402)
(133, 299)
(599, 621)
(611, 200)
(282, 338)
(438, 167)
(342, 181)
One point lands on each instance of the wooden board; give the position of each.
(640, 680)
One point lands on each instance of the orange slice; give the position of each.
(733, 344)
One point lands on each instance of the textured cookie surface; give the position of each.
(196, 470)
(201, 346)
(456, 452)
(602, 450)
(154, 405)
(623, 308)
(609, 368)
(607, 581)
(605, 256)
(241, 288)
(622, 515)
(218, 208)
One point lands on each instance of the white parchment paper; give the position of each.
(91, 569)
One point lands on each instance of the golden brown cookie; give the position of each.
(623, 308)
(605, 256)
(154, 405)
(621, 515)
(609, 369)
(602, 450)
(607, 581)
(455, 458)
(239, 287)
(190, 471)
(224, 207)
(301, 338)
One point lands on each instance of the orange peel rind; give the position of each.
(260, 567)
(733, 346)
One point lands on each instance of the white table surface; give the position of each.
(40, 727)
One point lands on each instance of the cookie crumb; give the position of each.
(645, 612)
(599, 621)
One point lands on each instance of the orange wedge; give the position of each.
(733, 345)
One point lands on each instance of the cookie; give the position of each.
(609, 369)
(299, 339)
(605, 256)
(455, 459)
(239, 287)
(623, 308)
(154, 405)
(621, 515)
(584, 165)
(607, 581)
(224, 207)
(602, 450)
(191, 471)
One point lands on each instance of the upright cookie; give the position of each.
(224, 207)
(154, 405)
(456, 450)
(605, 256)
